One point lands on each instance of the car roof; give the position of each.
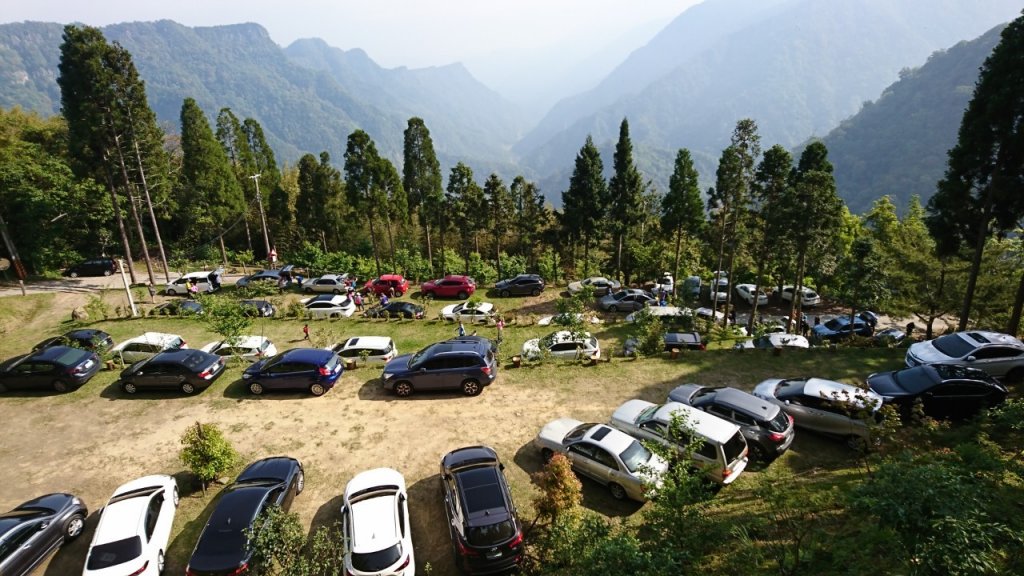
(327, 298)
(86, 333)
(243, 342)
(982, 338)
(367, 342)
(391, 277)
(152, 338)
(329, 277)
(609, 438)
(311, 355)
(124, 514)
(275, 467)
(54, 352)
(481, 306)
(821, 388)
(566, 336)
(742, 401)
(470, 456)
(708, 425)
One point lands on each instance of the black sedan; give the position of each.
(178, 308)
(57, 368)
(396, 308)
(223, 548)
(86, 338)
(185, 370)
(945, 390)
(840, 328)
(34, 530)
(258, 308)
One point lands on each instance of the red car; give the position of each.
(451, 286)
(390, 284)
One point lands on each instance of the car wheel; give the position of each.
(546, 454)
(618, 492)
(175, 498)
(3, 388)
(300, 483)
(129, 387)
(470, 387)
(403, 389)
(187, 388)
(536, 292)
(854, 442)
(160, 562)
(256, 388)
(1015, 375)
(463, 295)
(504, 293)
(613, 308)
(759, 453)
(74, 525)
(336, 291)
(107, 272)
(60, 386)
(317, 390)
(73, 274)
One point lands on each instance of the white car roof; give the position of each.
(615, 441)
(367, 342)
(151, 338)
(708, 425)
(836, 391)
(992, 337)
(123, 519)
(374, 517)
(565, 336)
(241, 342)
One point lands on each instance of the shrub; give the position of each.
(206, 452)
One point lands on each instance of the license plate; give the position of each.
(493, 554)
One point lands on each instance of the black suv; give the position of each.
(486, 535)
(466, 363)
(94, 267)
(522, 285)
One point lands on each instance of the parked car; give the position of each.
(258, 308)
(34, 530)
(378, 349)
(746, 293)
(328, 283)
(602, 453)
(58, 368)
(149, 344)
(205, 283)
(396, 309)
(722, 449)
(485, 531)
(134, 528)
(377, 536)
(566, 318)
(85, 338)
(628, 300)
(189, 371)
(774, 341)
(809, 298)
(271, 276)
(944, 390)
(466, 363)
(824, 406)
(691, 288)
(666, 283)
(469, 312)
(92, 267)
(562, 344)
(223, 546)
(718, 288)
(665, 313)
(691, 340)
(178, 308)
(250, 348)
(766, 427)
(309, 369)
(390, 284)
(1000, 355)
(329, 306)
(600, 284)
(840, 328)
(889, 336)
(451, 286)
(521, 285)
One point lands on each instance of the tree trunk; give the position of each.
(1014, 325)
(245, 220)
(149, 201)
(798, 291)
(618, 256)
(373, 241)
(120, 223)
(391, 236)
(972, 279)
(223, 252)
(675, 263)
(497, 253)
(426, 234)
(586, 255)
(133, 210)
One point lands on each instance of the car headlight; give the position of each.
(246, 376)
(76, 501)
(387, 375)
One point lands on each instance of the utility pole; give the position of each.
(19, 269)
(127, 289)
(263, 218)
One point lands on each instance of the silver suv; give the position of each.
(1000, 355)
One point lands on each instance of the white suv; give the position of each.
(134, 528)
(329, 306)
(375, 523)
(251, 348)
(563, 344)
(379, 349)
(147, 345)
(205, 282)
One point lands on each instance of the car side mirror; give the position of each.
(970, 359)
(787, 402)
(44, 526)
(424, 369)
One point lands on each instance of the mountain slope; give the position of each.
(897, 145)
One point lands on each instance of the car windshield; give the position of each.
(913, 381)
(377, 561)
(420, 356)
(634, 456)
(789, 389)
(492, 534)
(836, 323)
(72, 356)
(114, 553)
(953, 345)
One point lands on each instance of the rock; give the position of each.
(79, 314)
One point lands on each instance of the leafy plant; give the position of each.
(97, 308)
(206, 452)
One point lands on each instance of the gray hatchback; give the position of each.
(466, 363)
(767, 428)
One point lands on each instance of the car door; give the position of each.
(285, 375)
(996, 360)
(581, 455)
(606, 467)
(31, 375)
(957, 399)
(20, 552)
(39, 539)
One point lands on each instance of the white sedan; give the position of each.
(565, 320)
(146, 346)
(375, 524)
(134, 527)
(809, 298)
(471, 312)
(251, 348)
(329, 306)
(563, 344)
(746, 292)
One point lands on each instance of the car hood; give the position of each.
(766, 389)
(448, 310)
(684, 393)
(554, 432)
(885, 384)
(400, 363)
(628, 412)
(257, 366)
(927, 353)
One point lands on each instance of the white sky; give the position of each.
(412, 33)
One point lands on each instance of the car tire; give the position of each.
(187, 388)
(60, 386)
(3, 388)
(73, 526)
(546, 455)
(337, 292)
(471, 387)
(160, 562)
(256, 388)
(462, 295)
(129, 387)
(317, 390)
(760, 453)
(613, 308)
(175, 497)
(856, 443)
(617, 491)
(403, 389)
(504, 293)
(107, 272)
(300, 482)
(73, 275)
(536, 292)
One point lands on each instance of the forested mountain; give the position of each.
(307, 98)
(897, 144)
(798, 67)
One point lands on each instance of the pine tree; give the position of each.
(421, 177)
(769, 228)
(500, 212)
(361, 170)
(682, 209)
(466, 209)
(625, 192)
(584, 204)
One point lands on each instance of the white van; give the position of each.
(205, 282)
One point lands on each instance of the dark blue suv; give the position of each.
(309, 369)
(57, 368)
(466, 363)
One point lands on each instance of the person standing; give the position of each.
(357, 299)
(461, 331)
(500, 324)
(152, 293)
(305, 331)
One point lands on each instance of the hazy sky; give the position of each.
(412, 33)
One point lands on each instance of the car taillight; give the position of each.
(726, 473)
(517, 540)
(776, 437)
(208, 373)
(140, 570)
(702, 346)
(486, 370)
(324, 371)
(404, 564)
(239, 571)
(465, 550)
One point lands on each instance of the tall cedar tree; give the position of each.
(361, 170)
(746, 143)
(585, 203)
(500, 211)
(625, 192)
(392, 198)
(319, 203)
(769, 227)
(214, 195)
(264, 161)
(236, 145)
(421, 176)
(980, 194)
(682, 209)
(531, 218)
(466, 208)
(723, 206)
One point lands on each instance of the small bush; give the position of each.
(206, 452)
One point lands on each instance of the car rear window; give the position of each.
(778, 424)
(72, 356)
(176, 343)
(114, 553)
(492, 534)
(194, 361)
(377, 561)
(734, 447)
(332, 362)
(953, 345)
